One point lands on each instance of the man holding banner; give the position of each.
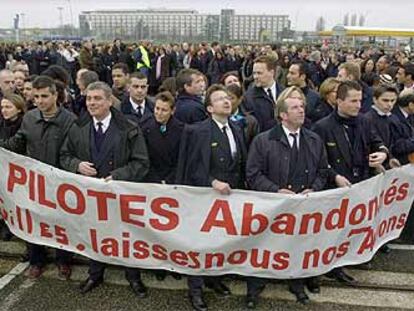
(104, 144)
(350, 141)
(212, 154)
(40, 137)
(289, 159)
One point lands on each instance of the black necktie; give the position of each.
(99, 136)
(294, 149)
(139, 112)
(270, 93)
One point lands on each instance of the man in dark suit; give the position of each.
(289, 159)
(260, 99)
(105, 144)
(380, 114)
(402, 131)
(212, 154)
(298, 76)
(191, 85)
(352, 145)
(136, 106)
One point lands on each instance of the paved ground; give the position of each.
(387, 285)
(50, 294)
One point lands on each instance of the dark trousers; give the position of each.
(407, 235)
(5, 231)
(254, 286)
(196, 283)
(38, 253)
(97, 270)
(298, 285)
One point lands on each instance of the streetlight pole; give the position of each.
(71, 16)
(60, 8)
(23, 26)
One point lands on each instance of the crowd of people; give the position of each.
(259, 117)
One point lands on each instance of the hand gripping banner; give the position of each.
(197, 231)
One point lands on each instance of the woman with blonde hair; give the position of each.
(327, 102)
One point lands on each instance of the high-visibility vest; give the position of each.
(145, 61)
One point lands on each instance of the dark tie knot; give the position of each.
(100, 126)
(270, 93)
(295, 140)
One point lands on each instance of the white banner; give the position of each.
(197, 231)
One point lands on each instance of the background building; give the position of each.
(180, 25)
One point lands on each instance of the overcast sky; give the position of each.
(302, 13)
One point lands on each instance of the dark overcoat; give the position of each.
(268, 162)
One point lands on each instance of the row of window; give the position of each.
(157, 17)
(187, 24)
(240, 19)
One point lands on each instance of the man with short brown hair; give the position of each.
(260, 99)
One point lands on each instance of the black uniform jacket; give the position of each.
(341, 154)
(195, 152)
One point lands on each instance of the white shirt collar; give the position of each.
(290, 138)
(220, 125)
(380, 112)
(105, 122)
(135, 105)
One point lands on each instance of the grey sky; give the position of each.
(303, 13)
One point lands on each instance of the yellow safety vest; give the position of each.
(145, 61)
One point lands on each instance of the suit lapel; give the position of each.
(86, 132)
(262, 94)
(205, 141)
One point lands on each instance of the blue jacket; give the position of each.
(190, 109)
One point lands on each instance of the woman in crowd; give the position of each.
(13, 108)
(368, 74)
(247, 123)
(327, 102)
(216, 68)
